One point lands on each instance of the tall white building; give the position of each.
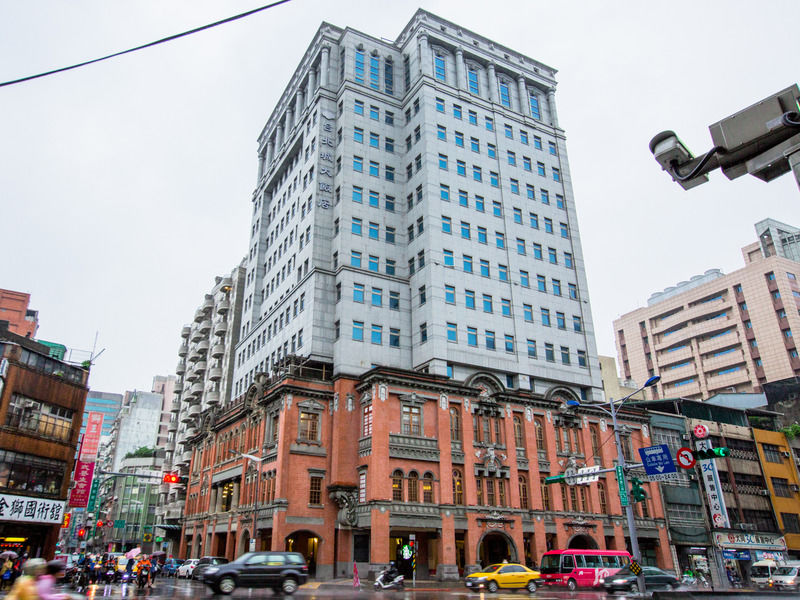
(414, 209)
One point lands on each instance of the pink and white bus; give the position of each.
(581, 568)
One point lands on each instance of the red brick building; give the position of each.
(351, 468)
(14, 309)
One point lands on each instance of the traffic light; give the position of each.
(81, 533)
(99, 524)
(637, 491)
(173, 478)
(712, 453)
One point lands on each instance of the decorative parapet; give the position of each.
(413, 447)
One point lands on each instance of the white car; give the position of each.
(186, 569)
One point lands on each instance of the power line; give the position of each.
(148, 45)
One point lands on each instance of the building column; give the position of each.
(235, 496)
(447, 569)
(270, 151)
(379, 541)
(324, 66)
(425, 65)
(551, 106)
(218, 506)
(289, 118)
(298, 104)
(461, 76)
(311, 87)
(262, 159)
(523, 96)
(279, 135)
(492, 83)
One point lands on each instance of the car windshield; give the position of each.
(786, 571)
(491, 568)
(219, 561)
(759, 571)
(243, 558)
(550, 563)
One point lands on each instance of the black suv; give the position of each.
(206, 562)
(281, 571)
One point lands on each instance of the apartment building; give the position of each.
(416, 328)
(14, 308)
(720, 333)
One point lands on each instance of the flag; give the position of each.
(356, 580)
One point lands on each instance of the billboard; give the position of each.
(91, 436)
(79, 494)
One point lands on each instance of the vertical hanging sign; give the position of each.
(714, 495)
(327, 142)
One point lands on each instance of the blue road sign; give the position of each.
(658, 463)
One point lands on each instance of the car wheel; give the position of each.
(226, 585)
(635, 587)
(289, 586)
(572, 585)
(492, 586)
(531, 587)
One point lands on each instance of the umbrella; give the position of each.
(133, 553)
(9, 554)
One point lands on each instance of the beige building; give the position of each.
(718, 332)
(615, 386)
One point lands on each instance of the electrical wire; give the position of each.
(699, 167)
(148, 45)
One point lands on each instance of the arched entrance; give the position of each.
(582, 542)
(244, 542)
(495, 547)
(306, 543)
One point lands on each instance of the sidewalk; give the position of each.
(426, 585)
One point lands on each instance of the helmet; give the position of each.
(34, 567)
(391, 563)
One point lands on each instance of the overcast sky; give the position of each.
(125, 186)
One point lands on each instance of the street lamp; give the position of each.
(611, 411)
(258, 460)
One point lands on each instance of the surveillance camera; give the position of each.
(671, 153)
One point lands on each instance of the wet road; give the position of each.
(184, 590)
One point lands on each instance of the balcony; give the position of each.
(717, 343)
(186, 417)
(181, 368)
(190, 431)
(671, 375)
(196, 336)
(208, 302)
(215, 373)
(196, 389)
(202, 347)
(725, 360)
(205, 326)
(183, 349)
(212, 397)
(223, 306)
(186, 332)
(178, 387)
(413, 447)
(199, 315)
(194, 356)
(221, 328)
(680, 355)
(200, 367)
(691, 313)
(173, 426)
(217, 350)
(176, 406)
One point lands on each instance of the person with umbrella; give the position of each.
(6, 568)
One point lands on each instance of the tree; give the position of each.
(142, 452)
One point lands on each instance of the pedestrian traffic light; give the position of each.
(637, 491)
(711, 453)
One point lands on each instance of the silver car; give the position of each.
(786, 578)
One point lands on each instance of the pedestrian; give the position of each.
(6, 571)
(45, 583)
(25, 586)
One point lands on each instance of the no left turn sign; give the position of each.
(685, 458)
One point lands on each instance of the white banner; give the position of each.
(716, 500)
(31, 510)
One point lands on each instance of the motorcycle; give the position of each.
(125, 577)
(109, 575)
(382, 582)
(142, 577)
(81, 579)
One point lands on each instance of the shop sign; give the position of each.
(710, 475)
(770, 555)
(749, 540)
(31, 510)
(79, 495)
(736, 554)
(91, 437)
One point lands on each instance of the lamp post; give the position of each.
(611, 411)
(257, 460)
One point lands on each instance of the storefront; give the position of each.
(740, 550)
(30, 525)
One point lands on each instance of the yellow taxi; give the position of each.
(503, 575)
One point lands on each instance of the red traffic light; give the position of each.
(171, 478)
(81, 532)
(99, 524)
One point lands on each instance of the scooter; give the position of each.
(125, 577)
(81, 579)
(141, 577)
(381, 582)
(109, 575)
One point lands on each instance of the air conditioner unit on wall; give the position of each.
(763, 492)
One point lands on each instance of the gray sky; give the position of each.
(125, 186)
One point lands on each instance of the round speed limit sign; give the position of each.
(685, 458)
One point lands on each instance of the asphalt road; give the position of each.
(183, 589)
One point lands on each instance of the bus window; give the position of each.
(611, 562)
(549, 563)
(624, 560)
(593, 561)
(567, 563)
(579, 562)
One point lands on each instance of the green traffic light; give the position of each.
(637, 491)
(722, 451)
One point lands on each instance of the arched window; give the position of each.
(539, 426)
(501, 492)
(601, 492)
(557, 436)
(564, 498)
(546, 505)
(499, 438)
(576, 434)
(523, 492)
(413, 487)
(490, 498)
(427, 488)
(455, 424)
(519, 432)
(573, 497)
(585, 500)
(595, 440)
(458, 487)
(397, 486)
